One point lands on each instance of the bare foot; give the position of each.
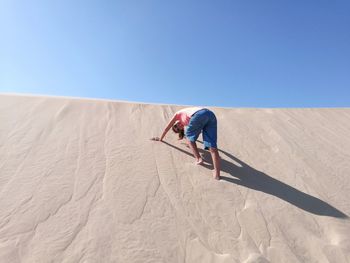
(216, 176)
(199, 161)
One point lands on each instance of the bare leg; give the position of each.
(216, 161)
(196, 154)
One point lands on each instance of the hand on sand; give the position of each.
(155, 139)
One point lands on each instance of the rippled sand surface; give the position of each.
(80, 181)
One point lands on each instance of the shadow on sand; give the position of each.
(247, 176)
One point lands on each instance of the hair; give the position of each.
(179, 131)
(181, 134)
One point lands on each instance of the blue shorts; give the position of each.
(203, 121)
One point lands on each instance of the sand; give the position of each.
(81, 181)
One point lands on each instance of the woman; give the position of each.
(196, 120)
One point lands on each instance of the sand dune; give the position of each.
(81, 182)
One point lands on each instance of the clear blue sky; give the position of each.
(215, 53)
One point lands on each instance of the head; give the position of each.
(178, 128)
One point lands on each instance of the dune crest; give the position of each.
(81, 182)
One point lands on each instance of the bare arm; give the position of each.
(167, 128)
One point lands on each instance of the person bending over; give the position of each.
(190, 122)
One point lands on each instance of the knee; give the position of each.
(213, 150)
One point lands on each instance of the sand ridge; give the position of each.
(81, 182)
